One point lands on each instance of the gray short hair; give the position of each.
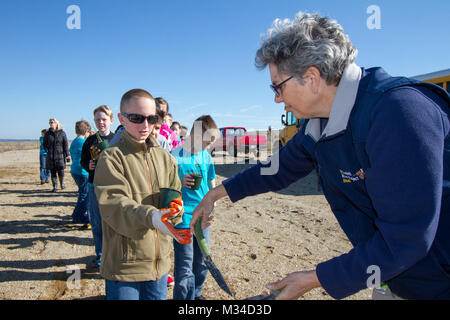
(307, 40)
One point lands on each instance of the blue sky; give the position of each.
(198, 54)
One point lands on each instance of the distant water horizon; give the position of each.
(19, 140)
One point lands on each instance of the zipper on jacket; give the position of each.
(155, 262)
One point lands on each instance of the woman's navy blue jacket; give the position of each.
(386, 176)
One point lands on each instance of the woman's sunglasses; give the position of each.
(139, 118)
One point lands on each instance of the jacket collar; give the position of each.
(342, 105)
(139, 145)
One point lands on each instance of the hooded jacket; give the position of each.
(127, 181)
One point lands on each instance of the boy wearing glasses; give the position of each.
(137, 235)
(162, 141)
(190, 271)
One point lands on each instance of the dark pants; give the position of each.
(80, 214)
(60, 174)
(95, 219)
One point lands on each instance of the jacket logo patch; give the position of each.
(348, 177)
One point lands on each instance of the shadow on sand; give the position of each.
(37, 232)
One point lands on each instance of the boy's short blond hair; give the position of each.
(105, 109)
(133, 94)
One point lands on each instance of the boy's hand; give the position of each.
(160, 220)
(92, 165)
(95, 152)
(187, 181)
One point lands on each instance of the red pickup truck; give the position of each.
(236, 139)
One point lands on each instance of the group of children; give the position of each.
(133, 236)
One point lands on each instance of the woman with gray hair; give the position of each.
(375, 141)
(307, 40)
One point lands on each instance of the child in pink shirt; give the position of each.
(162, 104)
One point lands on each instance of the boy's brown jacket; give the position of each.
(127, 180)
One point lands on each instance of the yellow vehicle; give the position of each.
(291, 126)
(441, 78)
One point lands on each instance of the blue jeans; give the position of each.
(44, 173)
(80, 214)
(145, 290)
(189, 270)
(95, 219)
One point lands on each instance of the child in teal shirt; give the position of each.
(79, 175)
(189, 271)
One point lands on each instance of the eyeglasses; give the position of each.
(277, 87)
(139, 118)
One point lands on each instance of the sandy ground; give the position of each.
(257, 240)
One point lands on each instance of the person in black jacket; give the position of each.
(57, 148)
(103, 117)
